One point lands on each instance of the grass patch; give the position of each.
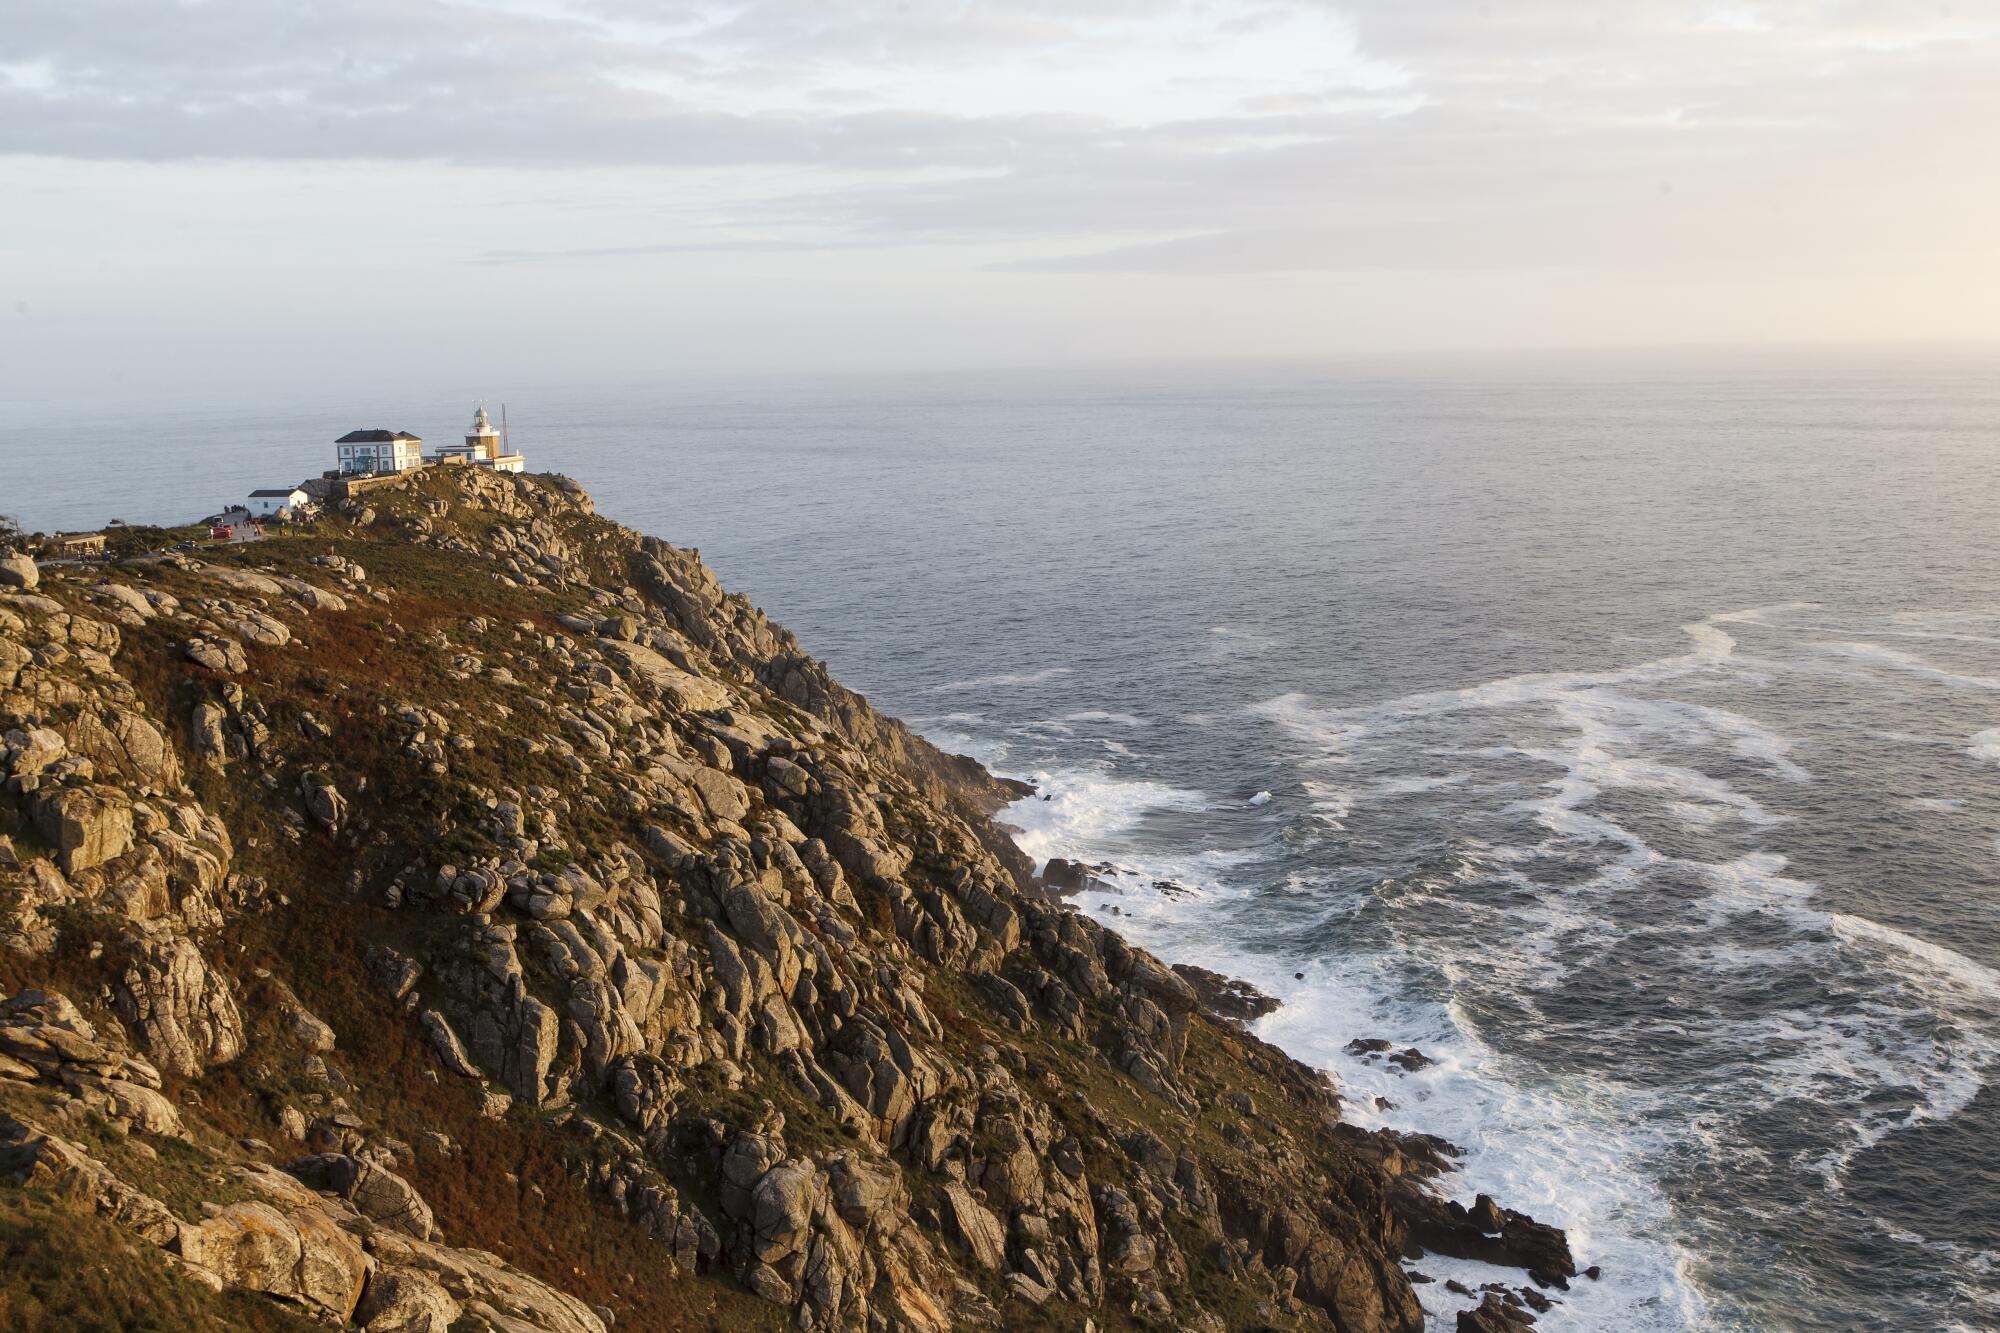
(63, 1270)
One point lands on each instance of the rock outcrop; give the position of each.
(595, 959)
(18, 571)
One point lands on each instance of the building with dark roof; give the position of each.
(282, 502)
(367, 451)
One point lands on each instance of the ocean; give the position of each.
(1623, 735)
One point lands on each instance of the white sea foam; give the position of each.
(1985, 746)
(1562, 812)
(1710, 639)
(1754, 883)
(1005, 679)
(1759, 615)
(1333, 804)
(1414, 786)
(1974, 1270)
(1938, 625)
(993, 753)
(1561, 1151)
(1909, 738)
(1851, 1060)
(1238, 635)
(952, 732)
(1939, 1080)
(1604, 708)
(1100, 715)
(1897, 660)
(947, 719)
(1330, 804)
(1600, 733)
(1593, 768)
(1087, 810)
(1946, 967)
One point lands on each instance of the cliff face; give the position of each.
(468, 915)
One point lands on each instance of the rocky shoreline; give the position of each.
(1485, 1232)
(466, 915)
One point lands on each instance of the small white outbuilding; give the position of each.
(268, 504)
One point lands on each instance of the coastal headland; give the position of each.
(459, 912)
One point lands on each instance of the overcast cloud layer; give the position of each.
(869, 182)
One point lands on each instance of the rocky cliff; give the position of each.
(467, 915)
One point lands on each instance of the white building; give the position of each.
(483, 447)
(366, 451)
(284, 501)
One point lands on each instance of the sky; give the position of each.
(198, 193)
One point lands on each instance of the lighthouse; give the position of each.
(484, 446)
(482, 441)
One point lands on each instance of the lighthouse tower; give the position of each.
(482, 441)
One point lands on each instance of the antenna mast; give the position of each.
(505, 448)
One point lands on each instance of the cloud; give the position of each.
(1433, 246)
(1099, 136)
(601, 81)
(746, 245)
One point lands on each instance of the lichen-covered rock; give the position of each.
(29, 752)
(206, 723)
(119, 740)
(87, 826)
(722, 794)
(218, 653)
(127, 605)
(323, 800)
(33, 1158)
(870, 1196)
(781, 1210)
(490, 1292)
(301, 1257)
(377, 1194)
(403, 1300)
(308, 1029)
(18, 571)
(266, 631)
(974, 1227)
(677, 687)
(446, 1043)
(184, 1012)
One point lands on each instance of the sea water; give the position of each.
(1631, 736)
